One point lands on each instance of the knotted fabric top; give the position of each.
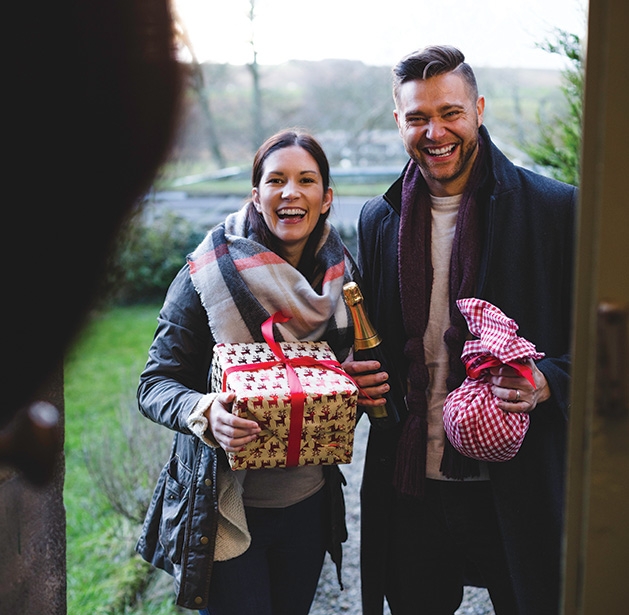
(496, 333)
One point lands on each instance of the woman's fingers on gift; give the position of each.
(232, 437)
(235, 445)
(226, 399)
(230, 431)
(237, 427)
(235, 424)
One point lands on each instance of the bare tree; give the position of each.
(254, 69)
(197, 81)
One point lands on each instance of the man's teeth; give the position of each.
(441, 151)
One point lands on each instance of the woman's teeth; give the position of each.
(291, 213)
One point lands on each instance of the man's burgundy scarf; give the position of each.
(415, 280)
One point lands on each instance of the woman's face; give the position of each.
(291, 198)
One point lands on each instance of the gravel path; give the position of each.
(329, 600)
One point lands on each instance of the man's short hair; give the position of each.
(430, 62)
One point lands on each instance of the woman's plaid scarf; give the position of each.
(241, 283)
(415, 280)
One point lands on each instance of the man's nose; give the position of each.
(435, 129)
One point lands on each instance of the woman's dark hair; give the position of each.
(288, 138)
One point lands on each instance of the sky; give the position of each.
(492, 33)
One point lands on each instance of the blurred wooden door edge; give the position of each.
(597, 522)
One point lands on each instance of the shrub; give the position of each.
(150, 252)
(148, 255)
(126, 460)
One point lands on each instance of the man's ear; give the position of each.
(480, 109)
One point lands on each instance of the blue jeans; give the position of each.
(279, 573)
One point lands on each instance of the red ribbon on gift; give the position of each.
(298, 397)
(476, 365)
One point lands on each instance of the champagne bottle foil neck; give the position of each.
(365, 343)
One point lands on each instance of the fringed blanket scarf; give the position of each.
(241, 283)
(415, 282)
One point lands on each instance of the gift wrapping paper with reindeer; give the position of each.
(297, 392)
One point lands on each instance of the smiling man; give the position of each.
(462, 221)
(438, 119)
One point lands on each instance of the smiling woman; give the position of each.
(292, 197)
(277, 254)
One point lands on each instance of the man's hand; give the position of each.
(514, 391)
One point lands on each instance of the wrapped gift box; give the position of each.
(314, 425)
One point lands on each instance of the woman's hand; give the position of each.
(372, 386)
(515, 392)
(230, 431)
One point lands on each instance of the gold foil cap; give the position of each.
(365, 336)
(352, 294)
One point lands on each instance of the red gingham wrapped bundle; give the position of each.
(473, 422)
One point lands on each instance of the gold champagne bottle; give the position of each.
(368, 347)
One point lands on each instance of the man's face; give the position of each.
(438, 120)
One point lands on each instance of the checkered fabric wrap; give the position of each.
(473, 422)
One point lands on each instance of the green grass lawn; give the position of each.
(101, 374)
